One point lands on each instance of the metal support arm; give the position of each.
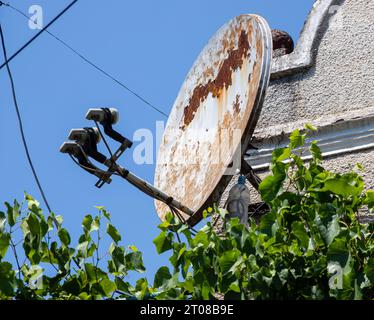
(252, 177)
(152, 191)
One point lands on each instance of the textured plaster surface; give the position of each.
(343, 75)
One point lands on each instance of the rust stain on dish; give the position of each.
(223, 80)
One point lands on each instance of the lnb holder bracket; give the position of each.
(111, 163)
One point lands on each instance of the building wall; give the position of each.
(341, 79)
(328, 82)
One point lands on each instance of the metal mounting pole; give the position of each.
(152, 191)
(252, 177)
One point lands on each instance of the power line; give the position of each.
(92, 64)
(37, 35)
(20, 123)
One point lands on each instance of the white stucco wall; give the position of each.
(342, 77)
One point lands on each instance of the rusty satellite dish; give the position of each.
(214, 114)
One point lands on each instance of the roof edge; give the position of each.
(302, 57)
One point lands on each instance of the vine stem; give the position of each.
(97, 250)
(15, 253)
(47, 240)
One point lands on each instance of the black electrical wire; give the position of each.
(37, 35)
(21, 124)
(92, 64)
(176, 212)
(104, 139)
(91, 169)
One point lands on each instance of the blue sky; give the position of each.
(150, 46)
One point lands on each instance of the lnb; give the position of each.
(71, 148)
(84, 133)
(101, 115)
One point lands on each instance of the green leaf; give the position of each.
(205, 214)
(205, 292)
(2, 221)
(329, 227)
(64, 236)
(7, 280)
(228, 259)
(163, 242)
(133, 248)
(173, 282)
(300, 233)
(35, 272)
(164, 226)
(296, 139)
(338, 251)
(141, 288)
(369, 270)
(118, 263)
(59, 219)
(135, 261)
(316, 151)
(161, 276)
(33, 224)
(123, 286)
(106, 214)
(87, 223)
(43, 227)
(113, 232)
(235, 287)
(95, 224)
(201, 238)
(170, 218)
(369, 199)
(338, 187)
(91, 250)
(341, 187)
(4, 244)
(82, 249)
(268, 222)
(281, 154)
(310, 127)
(90, 271)
(270, 187)
(34, 207)
(108, 287)
(13, 213)
(72, 286)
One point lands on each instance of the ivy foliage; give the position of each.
(310, 245)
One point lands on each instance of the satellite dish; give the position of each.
(214, 114)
